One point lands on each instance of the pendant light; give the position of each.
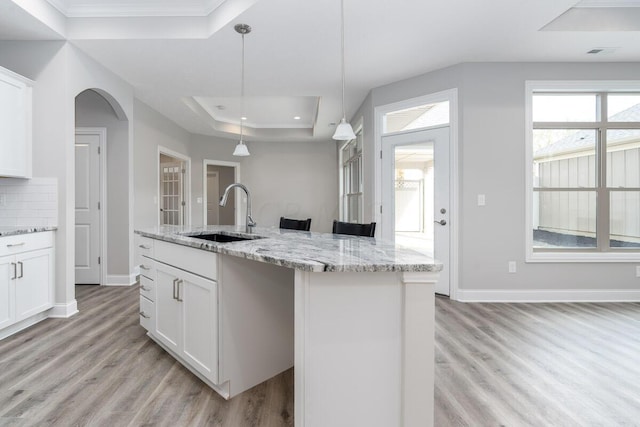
(344, 131)
(241, 148)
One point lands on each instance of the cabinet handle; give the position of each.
(21, 270)
(144, 267)
(144, 246)
(179, 283)
(144, 289)
(144, 315)
(11, 245)
(174, 288)
(15, 276)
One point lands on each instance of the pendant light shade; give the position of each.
(241, 148)
(344, 131)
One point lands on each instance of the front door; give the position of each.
(415, 194)
(87, 229)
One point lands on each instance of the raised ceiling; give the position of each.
(183, 55)
(120, 8)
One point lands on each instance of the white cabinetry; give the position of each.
(15, 125)
(144, 259)
(228, 319)
(180, 308)
(187, 318)
(26, 277)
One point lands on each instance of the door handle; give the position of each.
(180, 282)
(144, 288)
(174, 288)
(144, 246)
(144, 267)
(15, 275)
(11, 245)
(441, 222)
(142, 313)
(21, 270)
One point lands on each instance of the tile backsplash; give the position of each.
(27, 202)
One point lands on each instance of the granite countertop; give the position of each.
(12, 231)
(303, 250)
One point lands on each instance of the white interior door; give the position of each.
(415, 194)
(87, 229)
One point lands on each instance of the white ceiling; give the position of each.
(112, 8)
(293, 50)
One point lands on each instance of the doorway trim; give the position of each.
(187, 185)
(236, 178)
(450, 95)
(102, 197)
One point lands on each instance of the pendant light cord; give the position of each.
(344, 113)
(242, 93)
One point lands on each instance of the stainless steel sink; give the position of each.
(222, 238)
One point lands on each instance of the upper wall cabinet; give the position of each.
(15, 125)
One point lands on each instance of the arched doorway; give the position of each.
(101, 230)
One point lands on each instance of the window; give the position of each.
(422, 116)
(584, 163)
(351, 180)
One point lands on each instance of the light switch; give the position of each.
(155, 200)
(3, 200)
(199, 200)
(637, 270)
(481, 200)
(512, 266)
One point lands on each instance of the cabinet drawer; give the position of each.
(144, 247)
(146, 313)
(18, 243)
(147, 268)
(148, 288)
(197, 261)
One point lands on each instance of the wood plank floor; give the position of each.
(496, 365)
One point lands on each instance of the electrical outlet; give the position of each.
(3, 200)
(512, 266)
(637, 270)
(199, 200)
(482, 200)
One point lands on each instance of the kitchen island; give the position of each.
(353, 315)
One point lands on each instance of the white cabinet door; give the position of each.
(15, 126)
(200, 323)
(32, 284)
(6, 291)
(186, 318)
(168, 308)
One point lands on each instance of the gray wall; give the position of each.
(92, 110)
(151, 130)
(491, 162)
(296, 179)
(61, 72)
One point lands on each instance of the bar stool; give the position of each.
(354, 229)
(295, 224)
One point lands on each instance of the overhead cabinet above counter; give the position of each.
(15, 125)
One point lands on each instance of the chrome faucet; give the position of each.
(223, 201)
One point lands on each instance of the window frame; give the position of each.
(602, 253)
(342, 162)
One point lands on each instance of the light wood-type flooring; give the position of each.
(496, 365)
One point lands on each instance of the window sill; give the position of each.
(582, 257)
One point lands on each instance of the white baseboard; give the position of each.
(64, 311)
(549, 295)
(121, 279)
